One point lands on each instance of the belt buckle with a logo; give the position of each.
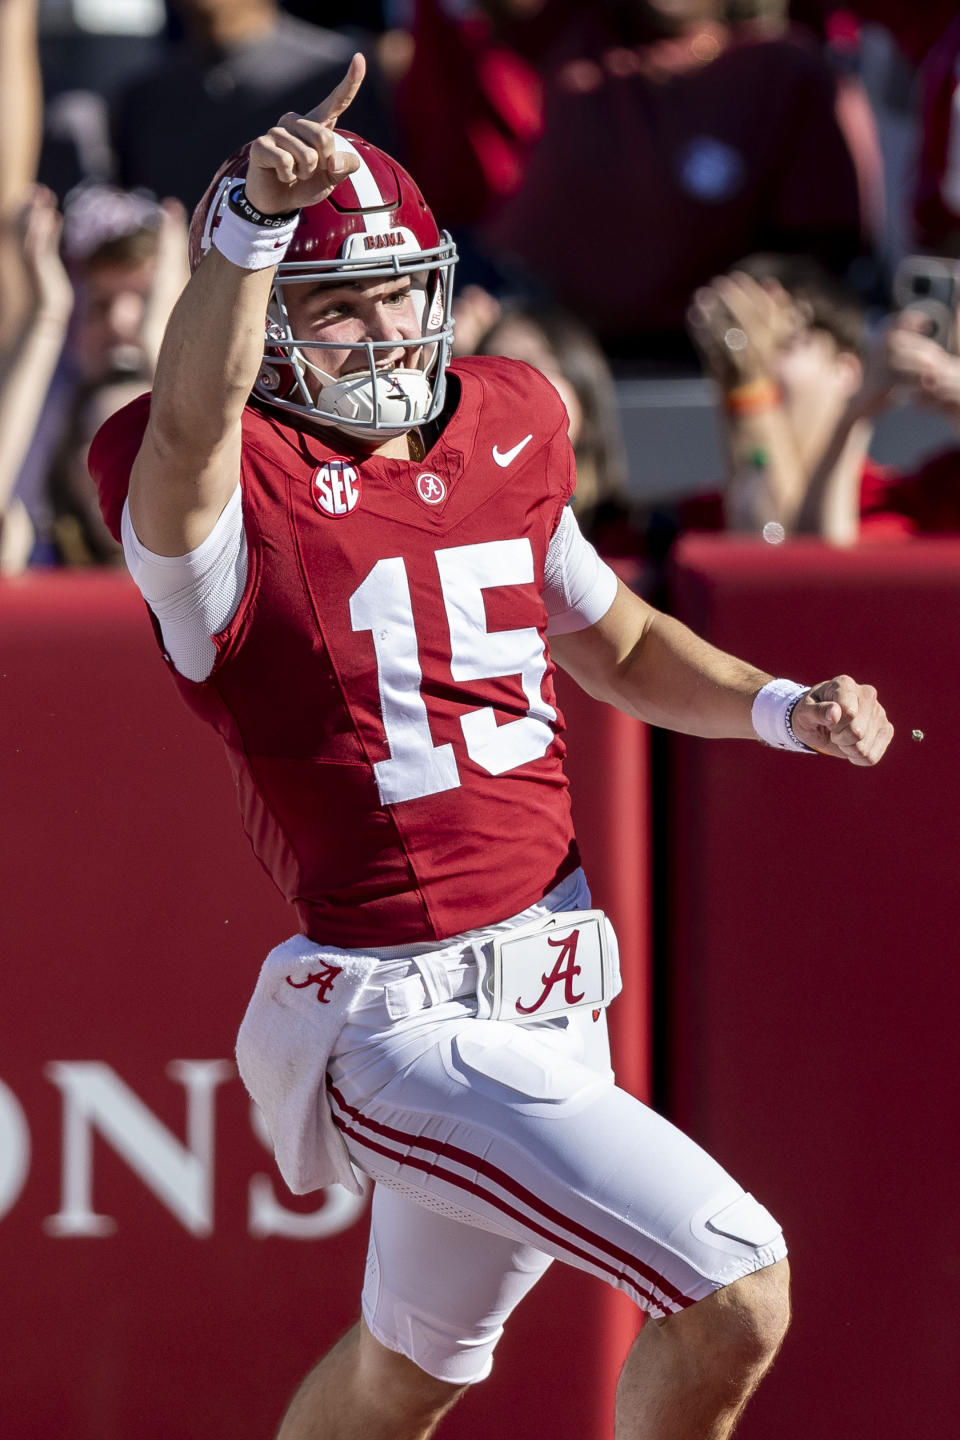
(554, 965)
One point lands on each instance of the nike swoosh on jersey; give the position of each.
(505, 457)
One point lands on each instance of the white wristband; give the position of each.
(772, 708)
(253, 247)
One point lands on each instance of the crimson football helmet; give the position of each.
(374, 225)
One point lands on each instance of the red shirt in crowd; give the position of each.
(926, 502)
(463, 66)
(661, 165)
(893, 505)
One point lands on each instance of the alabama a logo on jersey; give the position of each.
(431, 488)
(335, 487)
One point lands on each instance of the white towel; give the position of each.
(303, 995)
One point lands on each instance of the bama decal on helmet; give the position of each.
(399, 241)
(384, 241)
(335, 487)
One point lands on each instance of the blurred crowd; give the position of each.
(636, 187)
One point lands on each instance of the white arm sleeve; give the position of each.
(193, 596)
(579, 587)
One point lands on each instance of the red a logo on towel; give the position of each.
(322, 978)
(564, 970)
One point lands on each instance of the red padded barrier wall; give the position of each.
(139, 1305)
(814, 979)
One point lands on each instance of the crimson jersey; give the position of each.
(384, 690)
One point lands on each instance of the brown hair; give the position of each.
(132, 249)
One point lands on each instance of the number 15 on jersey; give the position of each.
(382, 605)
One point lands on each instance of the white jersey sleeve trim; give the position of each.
(579, 587)
(195, 595)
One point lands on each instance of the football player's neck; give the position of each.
(402, 447)
(409, 446)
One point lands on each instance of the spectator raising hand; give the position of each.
(800, 395)
(904, 365)
(125, 264)
(21, 126)
(28, 366)
(129, 256)
(171, 273)
(742, 326)
(49, 287)
(783, 341)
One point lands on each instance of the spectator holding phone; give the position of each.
(800, 394)
(784, 341)
(907, 364)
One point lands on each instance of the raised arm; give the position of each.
(189, 463)
(653, 667)
(21, 126)
(26, 371)
(172, 274)
(20, 100)
(739, 324)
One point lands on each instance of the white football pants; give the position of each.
(498, 1147)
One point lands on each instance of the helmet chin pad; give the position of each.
(388, 403)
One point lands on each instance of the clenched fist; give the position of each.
(840, 717)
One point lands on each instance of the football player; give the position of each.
(354, 552)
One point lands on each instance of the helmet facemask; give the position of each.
(370, 400)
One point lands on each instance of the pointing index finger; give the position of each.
(328, 112)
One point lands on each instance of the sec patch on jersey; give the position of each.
(336, 487)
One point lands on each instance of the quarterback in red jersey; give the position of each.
(362, 568)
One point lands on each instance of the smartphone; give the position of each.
(932, 286)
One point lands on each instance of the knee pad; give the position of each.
(736, 1226)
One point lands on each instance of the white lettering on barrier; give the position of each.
(181, 1176)
(94, 1097)
(14, 1149)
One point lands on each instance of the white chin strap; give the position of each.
(396, 399)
